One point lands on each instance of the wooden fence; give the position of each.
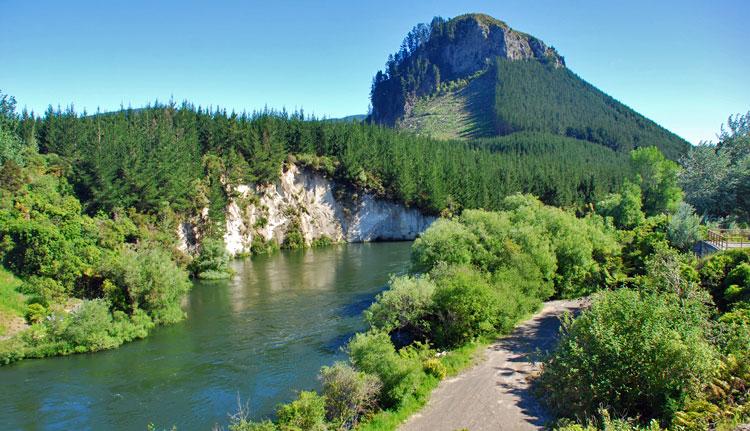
(724, 239)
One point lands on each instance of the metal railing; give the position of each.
(724, 239)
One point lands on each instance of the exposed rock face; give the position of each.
(479, 39)
(306, 202)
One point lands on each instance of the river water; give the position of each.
(259, 337)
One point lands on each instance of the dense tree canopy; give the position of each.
(180, 157)
(716, 178)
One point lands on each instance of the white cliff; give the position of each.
(307, 203)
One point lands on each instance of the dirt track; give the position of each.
(494, 394)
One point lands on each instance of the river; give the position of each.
(259, 337)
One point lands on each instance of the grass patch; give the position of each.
(454, 361)
(12, 303)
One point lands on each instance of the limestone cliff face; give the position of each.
(305, 202)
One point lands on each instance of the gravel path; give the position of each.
(494, 394)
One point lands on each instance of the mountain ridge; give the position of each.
(474, 76)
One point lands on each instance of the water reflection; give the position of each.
(260, 336)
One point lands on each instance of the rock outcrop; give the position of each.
(309, 205)
(477, 39)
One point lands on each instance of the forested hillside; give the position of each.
(474, 76)
(178, 156)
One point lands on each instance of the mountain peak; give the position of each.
(449, 50)
(474, 76)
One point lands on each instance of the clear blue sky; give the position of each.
(684, 64)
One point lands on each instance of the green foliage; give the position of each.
(637, 353)
(148, 279)
(531, 95)
(293, 237)
(400, 372)
(725, 275)
(716, 178)
(466, 306)
(623, 207)
(684, 228)
(35, 313)
(349, 395)
(405, 306)
(306, 413)
(244, 424)
(212, 261)
(11, 146)
(447, 241)
(435, 368)
(657, 177)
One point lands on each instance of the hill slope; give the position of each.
(474, 76)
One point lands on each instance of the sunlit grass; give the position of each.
(11, 302)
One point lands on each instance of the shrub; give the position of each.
(405, 306)
(434, 367)
(43, 290)
(738, 281)
(306, 413)
(349, 394)
(623, 208)
(684, 228)
(212, 261)
(635, 353)
(35, 313)
(445, 241)
(248, 425)
(400, 372)
(145, 278)
(88, 327)
(466, 306)
(714, 275)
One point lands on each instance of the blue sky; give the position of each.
(684, 64)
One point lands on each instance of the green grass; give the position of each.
(455, 361)
(11, 302)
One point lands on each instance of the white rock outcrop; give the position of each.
(308, 203)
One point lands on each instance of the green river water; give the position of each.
(259, 337)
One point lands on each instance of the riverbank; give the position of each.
(250, 336)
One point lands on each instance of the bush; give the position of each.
(43, 290)
(248, 425)
(212, 261)
(466, 306)
(435, 368)
(88, 327)
(400, 372)
(637, 354)
(445, 241)
(684, 228)
(306, 413)
(624, 208)
(405, 306)
(145, 278)
(35, 313)
(349, 394)
(715, 276)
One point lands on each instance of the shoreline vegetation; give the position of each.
(664, 346)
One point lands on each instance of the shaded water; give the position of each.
(261, 336)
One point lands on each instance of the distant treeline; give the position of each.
(179, 156)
